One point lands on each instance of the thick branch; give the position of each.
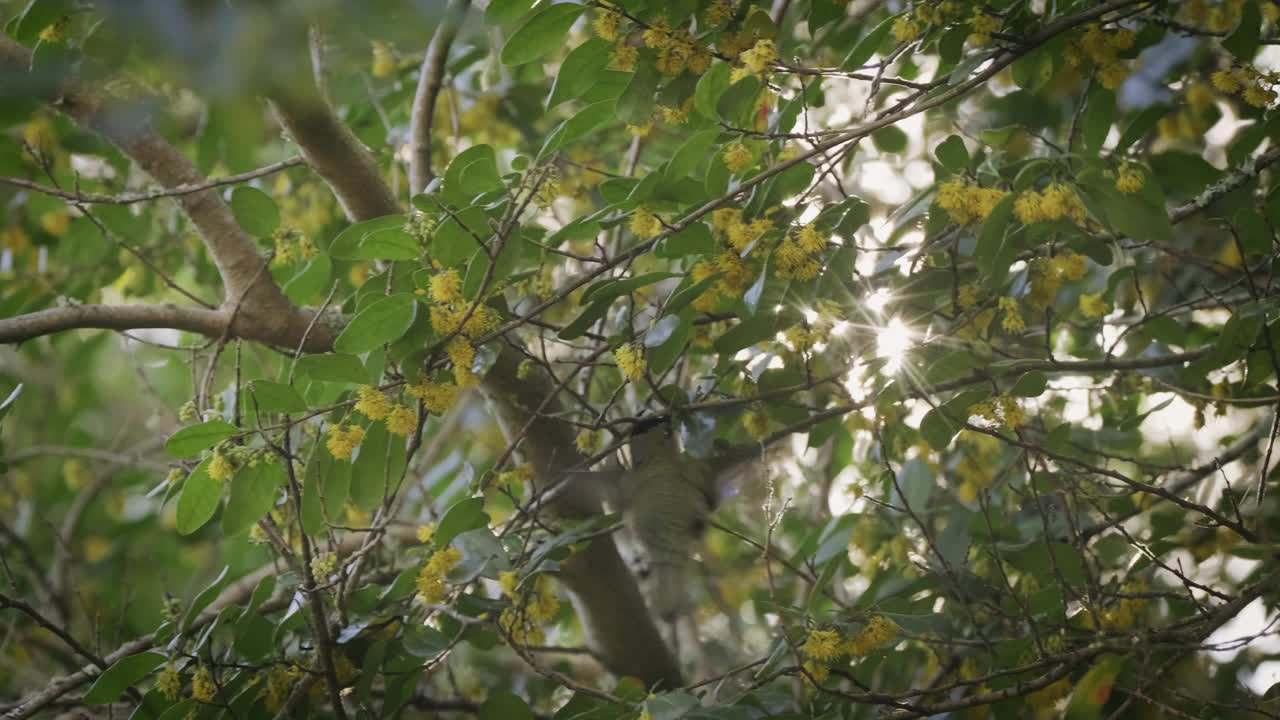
(430, 80)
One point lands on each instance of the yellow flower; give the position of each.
(1225, 81)
(631, 362)
(508, 580)
(1071, 265)
(589, 442)
(822, 645)
(169, 682)
(462, 354)
(40, 135)
(967, 295)
(425, 532)
(793, 263)
(674, 115)
(203, 688)
(431, 583)
(816, 672)
(811, 240)
(56, 31)
(642, 130)
(1258, 96)
(737, 156)
(606, 24)
(658, 35)
(323, 565)
(879, 631)
(446, 287)
(436, 397)
(905, 29)
(1012, 321)
(1199, 95)
(645, 224)
(56, 222)
(278, 685)
(1093, 306)
(1011, 412)
(220, 468)
(372, 402)
(982, 27)
(623, 57)
(343, 440)
(761, 58)
(1113, 75)
(14, 238)
(515, 477)
(756, 423)
(402, 420)
(719, 11)
(1130, 179)
(384, 59)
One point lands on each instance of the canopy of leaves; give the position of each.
(313, 313)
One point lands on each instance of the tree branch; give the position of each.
(430, 81)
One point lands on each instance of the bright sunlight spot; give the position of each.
(892, 343)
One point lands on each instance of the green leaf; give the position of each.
(614, 287)
(1099, 114)
(541, 34)
(346, 246)
(199, 499)
(190, 440)
(379, 323)
(868, 45)
(695, 239)
(309, 281)
(587, 119)
(1253, 231)
(670, 705)
(255, 211)
(952, 154)
(890, 139)
(388, 244)
(466, 514)
(204, 599)
(38, 15)
(916, 482)
(1093, 690)
(1031, 384)
(1243, 40)
(506, 12)
(332, 367)
(711, 86)
(585, 320)
(1045, 560)
(472, 172)
(122, 673)
(504, 705)
(690, 153)
(756, 328)
(274, 397)
(581, 68)
(635, 104)
(991, 253)
(937, 429)
(381, 458)
(682, 297)
(1138, 128)
(997, 137)
(253, 494)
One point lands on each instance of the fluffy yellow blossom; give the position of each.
(1011, 411)
(658, 35)
(1258, 96)
(446, 287)
(589, 442)
(719, 12)
(343, 440)
(278, 684)
(642, 130)
(675, 115)
(737, 156)
(1055, 202)
(1093, 306)
(1012, 321)
(811, 240)
(169, 682)
(982, 26)
(631, 362)
(515, 477)
(432, 586)
(384, 59)
(645, 224)
(372, 402)
(14, 238)
(436, 397)
(56, 31)
(822, 645)
(402, 420)
(879, 631)
(756, 423)
(425, 532)
(905, 29)
(1225, 81)
(463, 355)
(967, 295)
(816, 672)
(539, 604)
(323, 565)
(39, 134)
(736, 275)
(220, 467)
(508, 580)
(1113, 74)
(203, 689)
(1130, 179)
(966, 203)
(793, 263)
(606, 24)
(761, 58)
(1045, 281)
(623, 57)
(1071, 265)
(743, 234)
(725, 218)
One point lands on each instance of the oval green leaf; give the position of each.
(190, 440)
(381, 322)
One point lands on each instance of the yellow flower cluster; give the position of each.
(623, 57)
(523, 620)
(756, 423)
(56, 222)
(589, 442)
(39, 134)
(1220, 17)
(823, 645)
(203, 689)
(676, 115)
(982, 26)
(658, 35)
(979, 455)
(967, 202)
(169, 682)
(645, 224)
(432, 587)
(1093, 306)
(436, 397)
(1047, 274)
(631, 362)
(343, 440)
(879, 632)
(737, 156)
(1001, 409)
(515, 477)
(323, 565)
(292, 246)
(905, 29)
(402, 421)
(1130, 179)
(14, 238)
(56, 31)
(1124, 613)
(797, 257)
(448, 311)
(936, 13)
(278, 684)
(967, 296)
(719, 12)
(761, 58)
(606, 23)
(384, 59)
(372, 402)
(425, 532)
(1103, 46)
(220, 467)
(1012, 321)
(1055, 202)
(1256, 88)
